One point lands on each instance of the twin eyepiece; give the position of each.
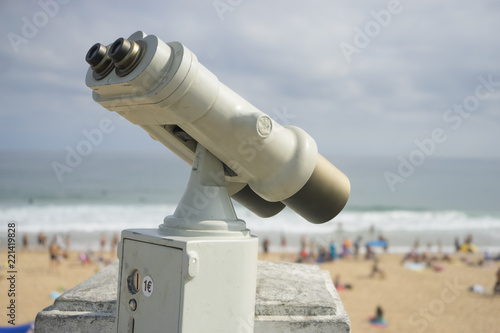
(122, 56)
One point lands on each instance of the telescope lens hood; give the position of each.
(323, 196)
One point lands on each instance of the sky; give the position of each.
(372, 78)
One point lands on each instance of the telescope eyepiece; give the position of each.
(126, 55)
(98, 59)
(95, 54)
(119, 49)
(123, 56)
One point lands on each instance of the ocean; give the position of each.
(104, 193)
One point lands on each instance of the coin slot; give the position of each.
(134, 281)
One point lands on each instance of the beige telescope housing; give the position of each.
(164, 89)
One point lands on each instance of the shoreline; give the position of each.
(399, 242)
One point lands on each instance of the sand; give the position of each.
(413, 301)
(416, 301)
(36, 279)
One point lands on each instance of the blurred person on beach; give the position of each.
(357, 244)
(483, 262)
(377, 270)
(410, 256)
(85, 257)
(25, 242)
(283, 243)
(63, 251)
(488, 258)
(457, 244)
(114, 245)
(339, 285)
(265, 245)
(446, 258)
(378, 319)
(346, 248)
(55, 253)
(496, 287)
(468, 246)
(424, 257)
(434, 264)
(369, 253)
(479, 289)
(333, 251)
(383, 239)
(283, 246)
(303, 254)
(104, 240)
(312, 250)
(41, 239)
(303, 243)
(322, 255)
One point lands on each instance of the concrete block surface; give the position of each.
(290, 298)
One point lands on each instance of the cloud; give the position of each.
(276, 55)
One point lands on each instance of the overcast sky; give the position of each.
(362, 77)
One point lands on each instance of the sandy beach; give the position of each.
(412, 301)
(36, 279)
(416, 301)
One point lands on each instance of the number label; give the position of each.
(147, 286)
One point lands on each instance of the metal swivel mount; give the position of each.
(205, 208)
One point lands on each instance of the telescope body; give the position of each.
(165, 90)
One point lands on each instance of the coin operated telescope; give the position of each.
(197, 271)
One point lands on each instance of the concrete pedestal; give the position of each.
(290, 298)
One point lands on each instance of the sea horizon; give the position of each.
(109, 192)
